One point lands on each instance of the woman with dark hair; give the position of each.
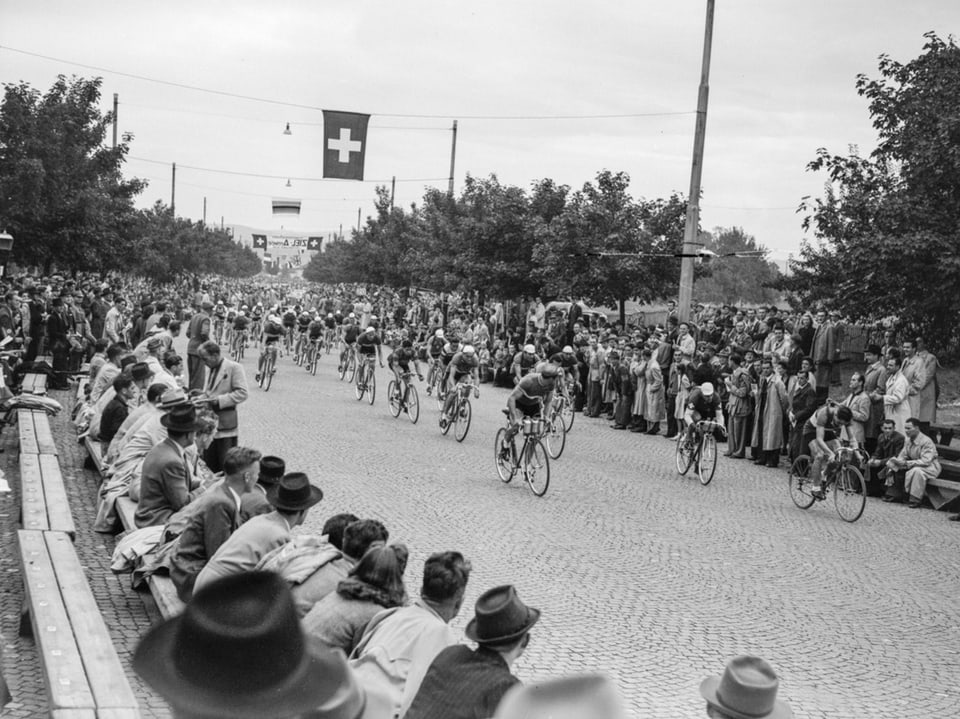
(375, 584)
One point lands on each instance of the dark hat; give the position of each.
(874, 350)
(127, 360)
(238, 650)
(141, 371)
(500, 616)
(154, 343)
(182, 418)
(271, 469)
(746, 690)
(294, 493)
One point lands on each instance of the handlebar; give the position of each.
(709, 425)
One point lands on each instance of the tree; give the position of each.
(887, 229)
(61, 192)
(737, 279)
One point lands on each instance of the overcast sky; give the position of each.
(781, 85)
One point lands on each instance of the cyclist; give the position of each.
(368, 344)
(330, 328)
(272, 331)
(289, 321)
(703, 403)
(434, 350)
(463, 364)
(450, 348)
(351, 331)
(821, 433)
(228, 335)
(240, 324)
(399, 361)
(529, 398)
(523, 362)
(566, 360)
(314, 336)
(219, 315)
(303, 322)
(256, 319)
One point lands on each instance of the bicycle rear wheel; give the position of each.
(342, 369)
(536, 467)
(684, 454)
(800, 482)
(371, 385)
(358, 387)
(445, 423)
(412, 401)
(438, 390)
(503, 457)
(393, 398)
(270, 368)
(707, 461)
(314, 357)
(849, 494)
(462, 420)
(352, 368)
(556, 438)
(567, 415)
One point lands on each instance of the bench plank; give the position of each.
(59, 655)
(126, 511)
(73, 714)
(942, 492)
(95, 450)
(45, 442)
(28, 433)
(59, 515)
(33, 501)
(104, 671)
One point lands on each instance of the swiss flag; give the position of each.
(344, 144)
(313, 243)
(260, 242)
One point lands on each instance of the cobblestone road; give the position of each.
(640, 573)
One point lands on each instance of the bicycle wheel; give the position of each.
(314, 356)
(352, 368)
(684, 455)
(263, 374)
(412, 402)
(271, 368)
(342, 369)
(536, 467)
(445, 424)
(438, 391)
(707, 461)
(393, 398)
(800, 482)
(849, 494)
(462, 420)
(358, 386)
(371, 385)
(556, 438)
(567, 415)
(502, 457)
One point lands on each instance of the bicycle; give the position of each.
(702, 451)
(299, 353)
(564, 403)
(218, 329)
(406, 401)
(348, 363)
(462, 412)
(288, 340)
(328, 338)
(556, 429)
(238, 344)
(435, 384)
(849, 489)
(313, 355)
(366, 380)
(268, 366)
(256, 330)
(532, 458)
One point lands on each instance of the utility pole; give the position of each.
(173, 190)
(358, 220)
(453, 158)
(393, 190)
(204, 211)
(691, 243)
(115, 103)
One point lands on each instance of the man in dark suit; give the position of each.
(224, 389)
(57, 342)
(166, 476)
(198, 332)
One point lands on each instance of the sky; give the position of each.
(535, 86)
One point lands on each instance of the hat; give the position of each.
(568, 350)
(500, 616)
(707, 389)
(271, 469)
(173, 398)
(154, 343)
(294, 493)
(580, 696)
(238, 650)
(207, 305)
(874, 350)
(141, 371)
(181, 419)
(747, 690)
(530, 349)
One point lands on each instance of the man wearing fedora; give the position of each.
(464, 683)
(198, 332)
(747, 689)
(166, 474)
(224, 389)
(255, 502)
(238, 652)
(291, 499)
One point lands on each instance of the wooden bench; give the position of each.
(161, 587)
(946, 452)
(95, 452)
(35, 434)
(34, 383)
(84, 676)
(43, 496)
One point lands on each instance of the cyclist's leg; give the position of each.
(451, 386)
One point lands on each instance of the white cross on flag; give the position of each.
(344, 144)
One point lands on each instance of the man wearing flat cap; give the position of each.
(464, 683)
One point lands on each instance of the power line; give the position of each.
(283, 103)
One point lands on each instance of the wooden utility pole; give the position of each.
(393, 190)
(453, 158)
(691, 240)
(115, 104)
(173, 190)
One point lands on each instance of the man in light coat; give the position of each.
(918, 461)
(225, 388)
(914, 370)
(927, 396)
(896, 395)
